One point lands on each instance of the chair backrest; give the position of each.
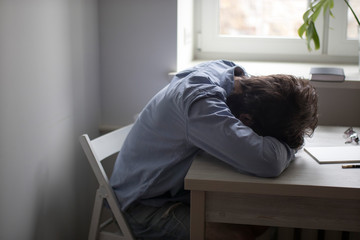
(97, 150)
(102, 147)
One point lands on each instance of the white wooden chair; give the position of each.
(97, 150)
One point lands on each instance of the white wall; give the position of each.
(138, 49)
(49, 95)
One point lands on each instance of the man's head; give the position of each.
(281, 106)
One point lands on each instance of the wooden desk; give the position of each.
(306, 195)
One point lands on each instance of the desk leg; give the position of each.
(197, 215)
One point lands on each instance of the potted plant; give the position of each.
(308, 27)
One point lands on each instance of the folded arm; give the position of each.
(213, 128)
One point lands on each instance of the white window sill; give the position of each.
(352, 74)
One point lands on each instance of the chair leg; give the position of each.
(124, 228)
(96, 214)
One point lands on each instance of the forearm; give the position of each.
(225, 137)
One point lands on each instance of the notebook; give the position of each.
(342, 154)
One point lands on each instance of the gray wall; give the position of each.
(138, 50)
(49, 95)
(57, 58)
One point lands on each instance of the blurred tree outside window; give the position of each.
(352, 27)
(276, 18)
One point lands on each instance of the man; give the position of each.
(254, 124)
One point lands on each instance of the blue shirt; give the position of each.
(188, 115)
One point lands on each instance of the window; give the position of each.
(352, 28)
(267, 29)
(263, 18)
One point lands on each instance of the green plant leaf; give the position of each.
(315, 14)
(312, 36)
(309, 35)
(310, 16)
(302, 30)
(316, 39)
(306, 15)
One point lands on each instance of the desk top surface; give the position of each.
(304, 176)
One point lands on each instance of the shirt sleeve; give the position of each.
(213, 128)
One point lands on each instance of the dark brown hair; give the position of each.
(281, 106)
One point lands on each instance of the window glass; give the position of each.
(261, 17)
(352, 28)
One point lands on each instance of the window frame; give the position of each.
(332, 47)
(338, 44)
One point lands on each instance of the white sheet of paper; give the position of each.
(343, 154)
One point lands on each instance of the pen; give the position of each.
(350, 166)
